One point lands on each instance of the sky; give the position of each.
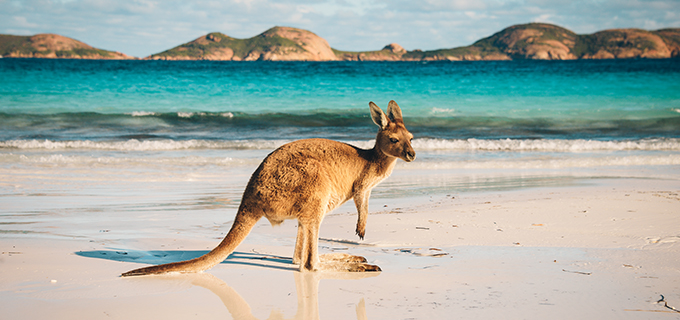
(144, 27)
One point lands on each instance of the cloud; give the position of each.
(144, 27)
(22, 22)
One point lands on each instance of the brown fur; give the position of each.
(304, 180)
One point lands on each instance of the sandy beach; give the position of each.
(603, 250)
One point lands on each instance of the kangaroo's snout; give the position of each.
(409, 155)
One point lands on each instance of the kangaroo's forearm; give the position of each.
(362, 210)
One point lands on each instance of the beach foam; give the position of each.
(542, 145)
(560, 145)
(140, 145)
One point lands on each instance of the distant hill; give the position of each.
(52, 46)
(278, 43)
(549, 42)
(391, 52)
(540, 41)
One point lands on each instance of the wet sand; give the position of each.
(606, 250)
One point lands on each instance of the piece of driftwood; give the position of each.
(665, 304)
(579, 272)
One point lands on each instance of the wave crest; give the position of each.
(427, 144)
(140, 145)
(551, 145)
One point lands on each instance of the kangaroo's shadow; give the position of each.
(160, 257)
(306, 283)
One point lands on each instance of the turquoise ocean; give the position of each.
(127, 140)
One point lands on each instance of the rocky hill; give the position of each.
(52, 46)
(391, 52)
(275, 44)
(630, 43)
(549, 42)
(542, 41)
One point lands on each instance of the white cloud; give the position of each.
(23, 23)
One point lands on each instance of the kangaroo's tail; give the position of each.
(239, 230)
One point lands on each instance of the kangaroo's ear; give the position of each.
(394, 112)
(378, 116)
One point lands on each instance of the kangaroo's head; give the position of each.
(393, 139)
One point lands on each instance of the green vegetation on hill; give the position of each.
(212, 42)
(10, 43)
(378, 55)
(51, 46)
(541, 41)
(612, 40)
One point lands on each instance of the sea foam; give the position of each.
(519, 145)
(140, 145)
(547, 145)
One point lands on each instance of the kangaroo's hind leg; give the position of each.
(307, 244)
(299, 242)
(328, 261)
(307, 255)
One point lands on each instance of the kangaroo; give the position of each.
(304, 180)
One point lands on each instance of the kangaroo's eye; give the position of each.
(393, 140)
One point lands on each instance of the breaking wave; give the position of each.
(548, 145)
(341, 124)
(140, 145)
(426, 144)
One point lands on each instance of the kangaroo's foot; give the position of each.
(345, 262)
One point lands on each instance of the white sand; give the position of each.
(606, 251)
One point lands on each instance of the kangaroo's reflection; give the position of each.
(306, 284)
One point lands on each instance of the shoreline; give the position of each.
(607, 250)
